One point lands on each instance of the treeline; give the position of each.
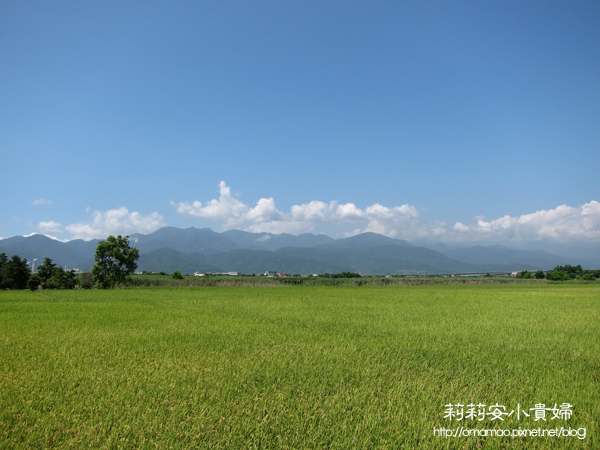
(15, 273)
(563, 273)
(341, 275)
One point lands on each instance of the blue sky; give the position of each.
(450, 121)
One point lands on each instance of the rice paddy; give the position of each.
(299, 366)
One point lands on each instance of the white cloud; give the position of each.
(563, 223)
(227, 208)
(114, 222)
(559, 224)
(460, 227)
(41, 201)
(265, 211)
(349, 211)
(49, 227)
(265, 217)
(314, 211)
(399, 221)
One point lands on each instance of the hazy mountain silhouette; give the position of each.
(204, 250)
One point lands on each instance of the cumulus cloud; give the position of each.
(349, 211)
(265, 217)
(49, 227)
(314, 211)
(399, 221)
(562, 223)
(227, 208)
(264, 211)
(114, 222)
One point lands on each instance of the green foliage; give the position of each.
(53, 277)
(540, 275)
(45, 270)
(85, 280)
(572, 271)
(526, 274)
(115, 261)
(558, 275)
(568, 272)
(342, 275)
(177, 275)
(14, 272)
(34, 282)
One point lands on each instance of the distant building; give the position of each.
(270, 273)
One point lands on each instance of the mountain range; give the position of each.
(204, 250)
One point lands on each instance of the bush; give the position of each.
(34, 282)
(85, 280)
(526, 274)
(177, 275)
(558, 275)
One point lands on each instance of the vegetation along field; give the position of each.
(299, 366)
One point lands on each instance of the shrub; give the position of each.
(177, 275)
(85, 280)
(34, 282)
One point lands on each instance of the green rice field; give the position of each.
(347, 367)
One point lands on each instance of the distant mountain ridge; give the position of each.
(204, 250)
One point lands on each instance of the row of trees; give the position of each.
(563, 273)
(15, 274)
(115, 260)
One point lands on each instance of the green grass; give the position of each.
(294, 366)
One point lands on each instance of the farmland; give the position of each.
(296, 366)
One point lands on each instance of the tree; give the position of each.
(34, 282)
(540, 275)
(571, 271)
(52, 277)
(177, 275)
(525, 274)
(14, 272)
(3, 261)
(115, 261)
(45, 269)
(558, 275)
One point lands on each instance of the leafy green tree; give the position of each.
(571, 271)
(61, 279)
(540, 275)
(14, 272)
(85, 280)
(3, 261)
(525, 274)
(53, 277)
(558, 275)
(45, 270)
(115, 261)
(34, 282)
(177, 275)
